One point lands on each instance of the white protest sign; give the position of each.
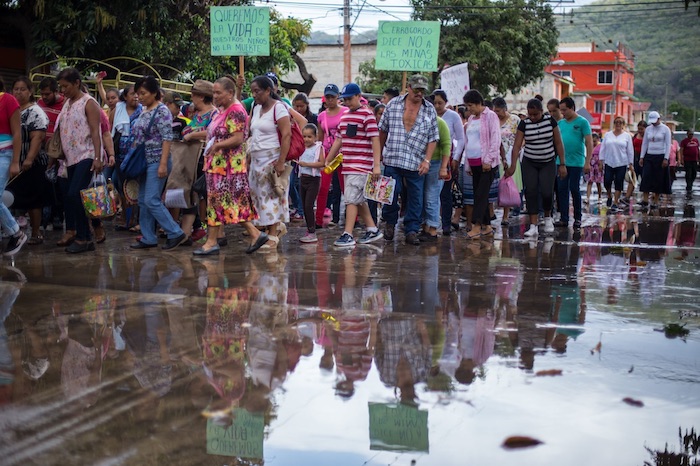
(455, 82)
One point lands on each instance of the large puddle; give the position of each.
(381, 355)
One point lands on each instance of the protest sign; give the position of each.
(408, 45)
(243, 438)
(455, 82)
(240, 31)
(397, 427)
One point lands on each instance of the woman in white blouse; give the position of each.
(617, 153)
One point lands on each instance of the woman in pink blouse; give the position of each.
(79, 124)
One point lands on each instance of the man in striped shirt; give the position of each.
(358, 137)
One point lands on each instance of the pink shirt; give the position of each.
(75, 131)
(329, 125)
(673, 154)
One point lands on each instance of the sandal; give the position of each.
(488, 232)
(100, 234)
(471, 235)
(272, 243)
(66, 240)
(34, 240)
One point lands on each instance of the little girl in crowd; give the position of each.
(310, 164)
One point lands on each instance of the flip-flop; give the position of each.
(262, 239)
(473, 236)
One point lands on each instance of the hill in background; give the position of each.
(663, 36)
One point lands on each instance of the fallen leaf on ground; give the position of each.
(633, 402)
(597, 348)
(520, 442)
(548, 372)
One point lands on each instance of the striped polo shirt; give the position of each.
(356, 129)
(539, 138)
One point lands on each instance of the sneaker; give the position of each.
(425, 237)
(331, 224)
(561, 224)
(297, 217)
(624, 201)
(309, 238)
(345, 240)
(15, 244)
(577, 224)
(371, 236)
(609, 202)
(548, 225)
(532, 231)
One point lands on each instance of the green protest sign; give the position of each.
(408, 45)
(397, 427)
(240, 31)
(243, 438)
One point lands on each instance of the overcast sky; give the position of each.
(327, 15)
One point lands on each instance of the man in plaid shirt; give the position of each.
(408, 135)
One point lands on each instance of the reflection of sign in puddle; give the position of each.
(397, 427)
(243, 438)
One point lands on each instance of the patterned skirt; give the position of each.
(229, 200)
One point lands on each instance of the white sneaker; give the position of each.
(532, 231)
(548, 225)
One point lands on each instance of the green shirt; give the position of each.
(249, 103)
(444, 144)
(573, 137)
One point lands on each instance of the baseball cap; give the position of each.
(418, 81)
(331, 89)
(653, 117)
(350, 90)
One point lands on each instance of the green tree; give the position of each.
(374, 81)
(172, 32)
(507, 43)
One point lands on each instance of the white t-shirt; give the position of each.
(263, 130)
(473, 147)
(310, 155)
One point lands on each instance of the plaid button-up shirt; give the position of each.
(407, 149)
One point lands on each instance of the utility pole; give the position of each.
(614, 92)
(347, 56)
(666, 102)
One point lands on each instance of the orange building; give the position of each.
(604, 77)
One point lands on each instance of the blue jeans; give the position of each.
(7, 221)
(414, 199)
(294, 191)
(570, 184)
(432, 187)
(151, 208)
(79, 177)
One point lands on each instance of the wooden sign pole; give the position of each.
(403, 82)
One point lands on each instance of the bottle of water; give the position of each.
(335, 163)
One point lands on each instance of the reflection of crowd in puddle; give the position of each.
(224, 336)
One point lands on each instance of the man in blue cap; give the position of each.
(408, 134)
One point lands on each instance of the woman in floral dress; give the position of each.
(596, 173)
(228, 193)
(509, 126)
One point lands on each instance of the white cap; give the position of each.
(653, 117)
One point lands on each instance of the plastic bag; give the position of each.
(508, 194)
(99, 200)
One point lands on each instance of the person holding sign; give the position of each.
(408, 135)
(358, 138)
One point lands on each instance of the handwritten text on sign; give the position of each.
(408, 45)
(455, 82)
(244, 438)
(397, 427)
(240, 31)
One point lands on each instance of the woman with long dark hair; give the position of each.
(154, 128)
(79, 124)
(539, 134)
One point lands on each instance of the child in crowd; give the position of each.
(358, 136)
(310, 163)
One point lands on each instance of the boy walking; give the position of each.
(358, 140)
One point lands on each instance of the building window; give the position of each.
(609, 107)
(563, 73)
(598, 107)
(605, 77)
